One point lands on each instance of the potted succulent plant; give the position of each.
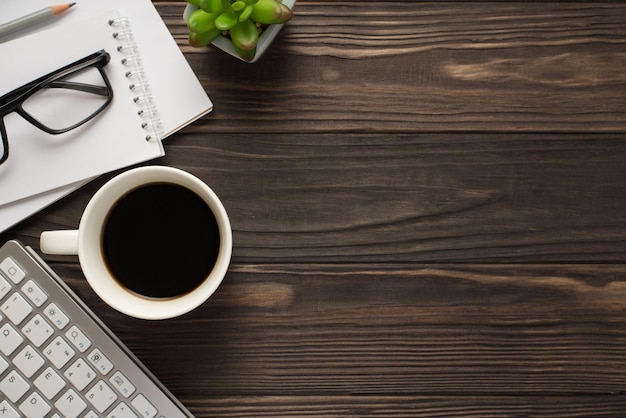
(243, 28)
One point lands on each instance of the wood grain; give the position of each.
(416, 66)
(412, 407)
(393, 198)
(394, 340)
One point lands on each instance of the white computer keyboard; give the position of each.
(57, 359)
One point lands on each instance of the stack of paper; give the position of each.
(42, 167)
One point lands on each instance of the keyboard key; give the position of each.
(59, 352)
(70, 404)
(78, 338)
(144, 406)
(49, 383)
(7, 411)
(80, 374)
(12, 270)
(122, 411)
(100, 361)
(10, 339)
(5, 287)
(101, 396)
(14, 386)
(34, 406)
(34, 293)
(37, 330)
(56, 316)
(16, 308)
(28, 361)
(122, 384)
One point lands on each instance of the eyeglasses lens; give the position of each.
(68, 101)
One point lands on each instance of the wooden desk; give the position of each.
(429, 212)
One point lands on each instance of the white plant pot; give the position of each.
(265, 39)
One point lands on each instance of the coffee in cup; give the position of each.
(153, 242)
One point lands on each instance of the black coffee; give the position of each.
(161, 240)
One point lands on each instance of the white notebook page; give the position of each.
(114, 139)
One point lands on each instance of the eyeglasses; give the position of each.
(62, 100)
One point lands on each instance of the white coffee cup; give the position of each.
(87, 243)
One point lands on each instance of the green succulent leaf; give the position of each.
(198, 40)
(239, 5)
(246, 54)
(200, 21)
(212, 6)
(226, 21)
(245, 14)
(251, 2)
(245, 38)
(194, 2)
(270, 12)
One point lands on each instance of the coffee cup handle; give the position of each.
(59, 242)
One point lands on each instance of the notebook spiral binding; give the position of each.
(138, 83)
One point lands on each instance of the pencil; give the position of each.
(33, 18)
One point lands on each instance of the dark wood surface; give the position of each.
(428, 204)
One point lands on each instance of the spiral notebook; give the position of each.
(165, 96)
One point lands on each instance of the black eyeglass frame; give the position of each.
(13, 100)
